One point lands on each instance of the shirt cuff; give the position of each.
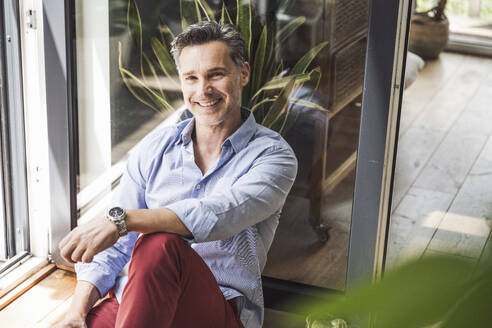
(196, 217)
(94, 274)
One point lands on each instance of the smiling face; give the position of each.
(212, 83)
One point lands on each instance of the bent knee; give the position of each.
(159, 241)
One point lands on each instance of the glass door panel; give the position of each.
(125, 90)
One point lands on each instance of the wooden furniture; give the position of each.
(344, 25)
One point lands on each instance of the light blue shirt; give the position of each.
(232, 211)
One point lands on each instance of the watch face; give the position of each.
(116, 212)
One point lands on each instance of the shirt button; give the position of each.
(198, 186)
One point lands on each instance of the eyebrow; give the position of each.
(213, 69)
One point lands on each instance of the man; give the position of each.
(206, 196)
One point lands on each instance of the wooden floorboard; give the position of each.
(442, 193)
(40, 301)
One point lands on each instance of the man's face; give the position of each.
(212, 83)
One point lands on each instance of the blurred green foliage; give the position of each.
(437, 292)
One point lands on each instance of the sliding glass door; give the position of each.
(14, 233)
(339, 116)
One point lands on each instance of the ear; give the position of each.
(245, 72)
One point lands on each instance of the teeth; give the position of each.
(210, 103)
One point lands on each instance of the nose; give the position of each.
(206, 87)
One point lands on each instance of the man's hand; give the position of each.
(85, 241)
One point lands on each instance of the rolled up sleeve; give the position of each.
(106, 266)
(254, 197)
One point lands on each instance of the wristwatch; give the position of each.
(117, 215)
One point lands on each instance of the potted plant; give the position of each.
(429, 31)
(272, 89)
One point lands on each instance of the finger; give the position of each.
(67, 250)
(78, 252)
(67, 238)
(88, 256)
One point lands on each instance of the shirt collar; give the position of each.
(238, 140)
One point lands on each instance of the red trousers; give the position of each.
(169, 285)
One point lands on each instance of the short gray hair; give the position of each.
(206, 31)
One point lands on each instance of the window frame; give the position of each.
(61, 120)
(14, 171)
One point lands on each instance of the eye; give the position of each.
(190, 78)
(217, 74)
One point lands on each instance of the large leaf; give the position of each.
(190, 12)
(160, 101)
(279, 69)
(126, 76)
(209, 12)
(282, 82)
(308, 104)
(262, 102)
(154, 74)
(310, 85)
(164, 58)
(279, 107)
(260, 57)
(135, 27)
(134, 24)
(166, 34)
(288, 29)
(243, 22)
(225, 17)
(270, 52)
(314, 79)
(305, 61)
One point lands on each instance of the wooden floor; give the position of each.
(443, 190)
(42, 305)
(443, 187)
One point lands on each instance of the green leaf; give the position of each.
(164, 58)
(314, 79)
(225, 17)
(309, 104)
(124, 76)
(264, 101)
(134, 23)
(154, 74)
(153, 95)
(166, 34)
(279, 69)
(311, 83)
(285, 120)
(288, 29)
(209, 12)
(135, 27)
(305, 61)
(279, 106)
(190, 12)
(270, 53)
(243, 21)
(282, 82)
(259, 60)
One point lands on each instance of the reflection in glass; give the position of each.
(307, 60)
